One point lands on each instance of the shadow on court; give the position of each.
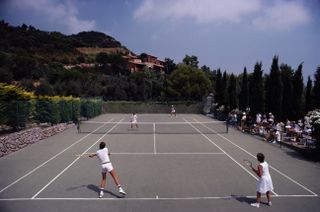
(242, 199)
(97, 190)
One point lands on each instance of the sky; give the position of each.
(225, 34)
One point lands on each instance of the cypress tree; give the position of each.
(218, 88)
(274, 90)
(256, 90)
(287, 92)
(231, 102)
(244, 92)
(224, 85)
(308, 98)
(316, 89)
(297, 94)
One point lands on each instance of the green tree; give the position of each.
(244, 92)
(169, 66)
(231, 101)
(297, 101)
(316, 89)
(218, 88)
(256, 90)
(308, 96)
(224, 85)
(274, 90)
(191, 61)
(187, 83)
(287, 92)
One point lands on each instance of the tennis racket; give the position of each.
(247, 162)
(83, 155)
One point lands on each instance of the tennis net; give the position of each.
(210, 127)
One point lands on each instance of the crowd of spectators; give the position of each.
(295, 132)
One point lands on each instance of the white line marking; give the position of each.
(286, 176)
(154, 139)
(34, 196)
(168, 153)
(38, 167)
(151, 198)
(151, 123)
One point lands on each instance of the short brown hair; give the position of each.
(260, 157)
(102, 145)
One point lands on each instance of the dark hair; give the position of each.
(102, 145)
(260, 157)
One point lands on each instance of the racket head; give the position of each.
(247, 162)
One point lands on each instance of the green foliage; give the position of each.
(257, 90)
(191, 61)
(11, 92)
(187, 82)
(274, 90)
(298, 89)
(91, 108)
(244, 92)
(308, 97)
(287, 92)
(15, 113)
(316, 89)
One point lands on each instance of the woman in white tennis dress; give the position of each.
(264, 184)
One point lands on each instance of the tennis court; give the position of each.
(185, 163)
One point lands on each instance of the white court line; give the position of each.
(286, 176)
(33, 170)
(154, 139)
(150, 198)
(34, 196)
(168, 153)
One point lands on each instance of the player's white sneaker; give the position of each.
(101, 194)
(121, 191)
(270, 203)
(256, 204)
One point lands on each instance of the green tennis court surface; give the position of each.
(186, 163)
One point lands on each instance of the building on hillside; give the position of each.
(136, 63)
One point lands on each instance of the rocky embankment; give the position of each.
(14, 141)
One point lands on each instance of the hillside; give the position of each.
(48, 47)
(37, 61)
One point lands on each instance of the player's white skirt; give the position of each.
(264, 184)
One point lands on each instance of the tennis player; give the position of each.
(134, 120)
(173, 111)
(264, 184)
(106, 165)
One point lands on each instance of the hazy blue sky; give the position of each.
(226, 34)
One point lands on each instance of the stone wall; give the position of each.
(18, 140)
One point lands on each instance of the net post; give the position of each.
(227, 126)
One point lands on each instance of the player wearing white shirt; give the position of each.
(106, 166)
(134, 120)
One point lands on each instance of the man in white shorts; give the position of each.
(106, 165)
